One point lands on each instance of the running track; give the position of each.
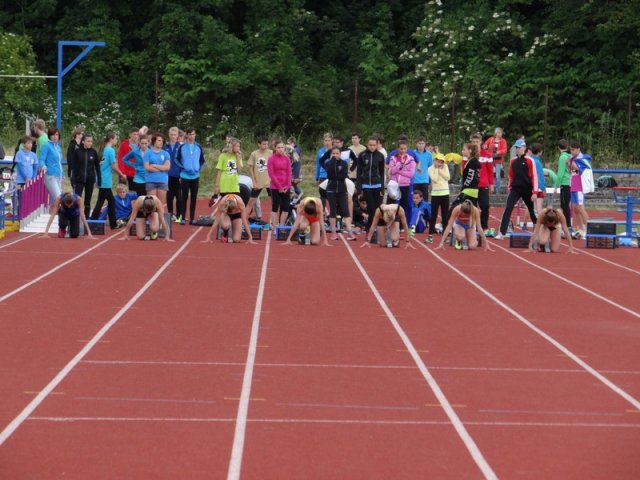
(191, 360)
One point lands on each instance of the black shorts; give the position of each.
(234, 216)
(255, 192)
(280, 201)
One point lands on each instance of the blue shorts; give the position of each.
(156, 186)
(577, 198)
(466, 226)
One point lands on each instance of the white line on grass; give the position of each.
(56, 268)
(18, 240)
(16, 422)
(469, 443)
(540, 332)
(235, 463)
(574, 284)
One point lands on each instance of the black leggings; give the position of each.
(188, 187)
(565, 202)
(84, 190)
(174, 192)
(441, 202)
(72, 223)
(280, 201)
(373, 199)
(516, 194)
(338, 201)
(483, 203)
(105, 194)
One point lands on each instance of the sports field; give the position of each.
(192, 360)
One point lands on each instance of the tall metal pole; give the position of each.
(155, 121)
(355, 106)
(546, 119)
(629, 144)
(453, 119)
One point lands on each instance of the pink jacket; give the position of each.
(402, 169)
(279, 169)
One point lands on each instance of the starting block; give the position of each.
(97, 227)
(256, 232)
(147, 230)
(595, 240)
(282, 232)
(519, 240)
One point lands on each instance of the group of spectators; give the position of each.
(352, 180)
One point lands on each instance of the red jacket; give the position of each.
(125, 148)
(497, 151)
(486, 170)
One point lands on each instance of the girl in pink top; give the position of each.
(402, 168)
(279, 169)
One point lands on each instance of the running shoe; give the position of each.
(174, 219)
(457, 245)
(412, 232)
(498, 236)
(62, 231)
(192, 222)
(154, 235)
(182, 221)
(465, 246)
(351, 238)
(576, 235)
(335, 237)
(429, 239)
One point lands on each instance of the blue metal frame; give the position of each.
(63, 71)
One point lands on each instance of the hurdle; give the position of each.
(33, 201)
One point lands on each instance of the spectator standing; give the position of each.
(497, 147)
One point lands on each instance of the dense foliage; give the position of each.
(443, 68)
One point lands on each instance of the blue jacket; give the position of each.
(425, 160)
(174, 171)
(27, 163)
(134, 159)
(190, 159)
(51, 157)
(420, 215)
(123, 205)
(321, 173)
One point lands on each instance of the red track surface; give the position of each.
(334, 391)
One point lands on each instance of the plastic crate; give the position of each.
(519, 240)
(594, 240)
(256, 233)
(601, 227)
(282, 232)
(97, 227)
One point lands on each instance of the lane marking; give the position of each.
(18, 240)
(457, 424)
(405, 351)
(616, 389)
(570, 282)
(252, 399)
(22, 416)
(438, 405)
(358, 407)
(334, 421)
(330, 365)
(586, 252)
(149, 400)
(55, 269)
(235, 462)
(550, 412)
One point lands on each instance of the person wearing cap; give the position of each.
(439, 175)
(523, 184)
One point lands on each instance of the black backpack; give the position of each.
(607, 181)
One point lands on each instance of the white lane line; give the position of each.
(457, 424)
(22, 416)
(18, 240)
(602, 259)
(546, 336)
(336, 365)
(586, 252)
(235, 462)
(149, 400)
(574, 284)
(55, 269)
(333, 421)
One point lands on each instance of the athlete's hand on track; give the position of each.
(207, 240)
(288, 242)
(167, 239)
(440, 247)
(44, 235)
(409, 245)
(366, 244)
(573, 250)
